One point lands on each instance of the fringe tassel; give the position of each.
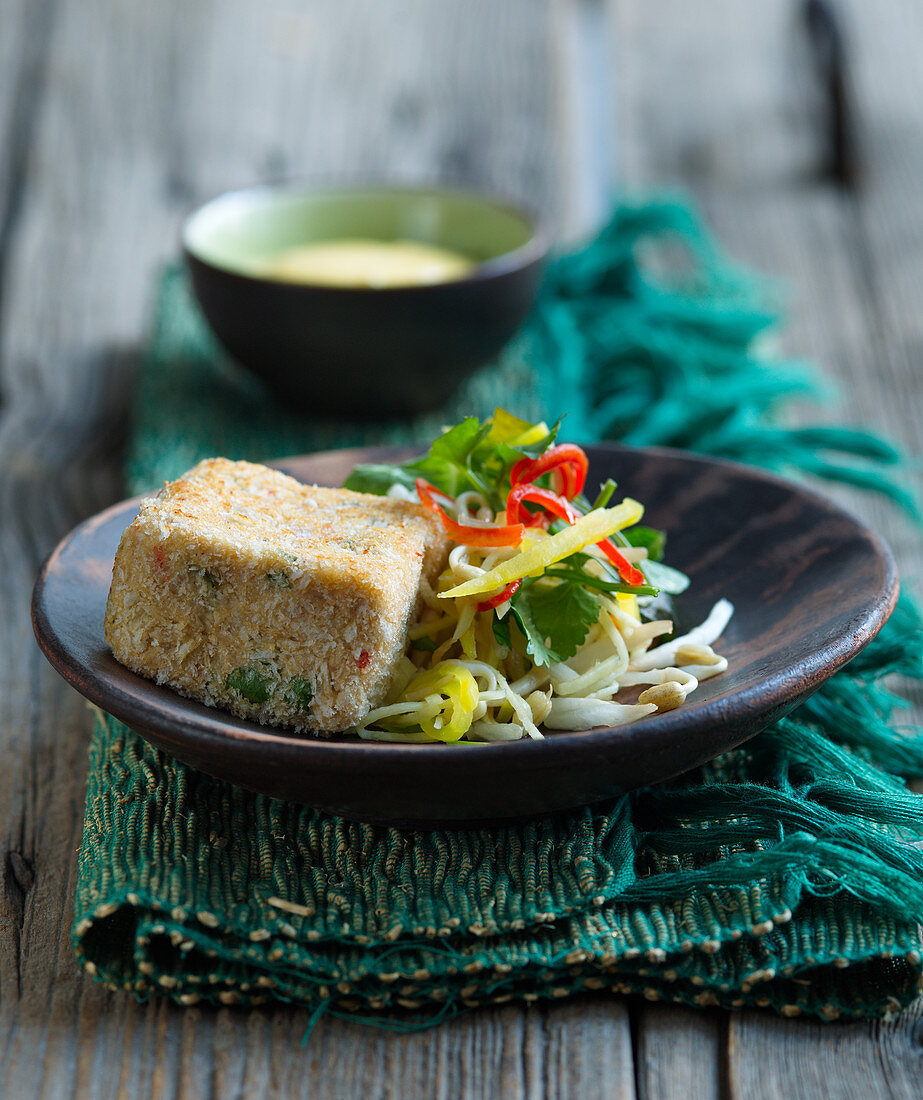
(811, 798)
(650, 335)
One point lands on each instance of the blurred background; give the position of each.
(795, 124)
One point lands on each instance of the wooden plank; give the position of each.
(201, 1052)
(889, 208)
(23, 49)
(889, 235)
(585, 115)
(768, 1057)
(680, 1053)
(715, 99)
(588, 1050)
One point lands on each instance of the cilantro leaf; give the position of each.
(377, 478)
(649, 537)
(447, 465)
(502, 631)
(467, 456)
(555, 619)
(665, 577)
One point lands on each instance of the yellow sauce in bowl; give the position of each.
(356, 262)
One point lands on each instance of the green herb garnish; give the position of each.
(650, 538)
(250, 684)
(664, 577)
(554, 619)
(605, 493)
(469, 456)
(300, 692)
(566, 571)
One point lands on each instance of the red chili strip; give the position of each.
(551, 502)
(565, 479)
(462, 532)
(425, 493)
(483, 536)
(567, 458)
(501, 597)
(629, 573)
(517, 470)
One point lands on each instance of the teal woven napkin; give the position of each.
(788, 873)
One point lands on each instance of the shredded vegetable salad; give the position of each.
(549, 605)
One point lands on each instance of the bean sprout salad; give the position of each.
(549, 605)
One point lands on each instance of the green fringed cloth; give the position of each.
(786, 874)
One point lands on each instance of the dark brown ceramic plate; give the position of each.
(810, 584)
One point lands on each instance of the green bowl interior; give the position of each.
(240, 229)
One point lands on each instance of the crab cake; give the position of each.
(284, 603)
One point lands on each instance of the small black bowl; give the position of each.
(356, 351)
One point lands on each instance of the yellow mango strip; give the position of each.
(507, 428)
(628, 603)
(469, 642)
(486, 646)
(533, 561)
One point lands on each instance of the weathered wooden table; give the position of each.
(116, 116)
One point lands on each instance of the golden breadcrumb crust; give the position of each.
(284, 603)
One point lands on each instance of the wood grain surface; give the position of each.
(115, 118)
